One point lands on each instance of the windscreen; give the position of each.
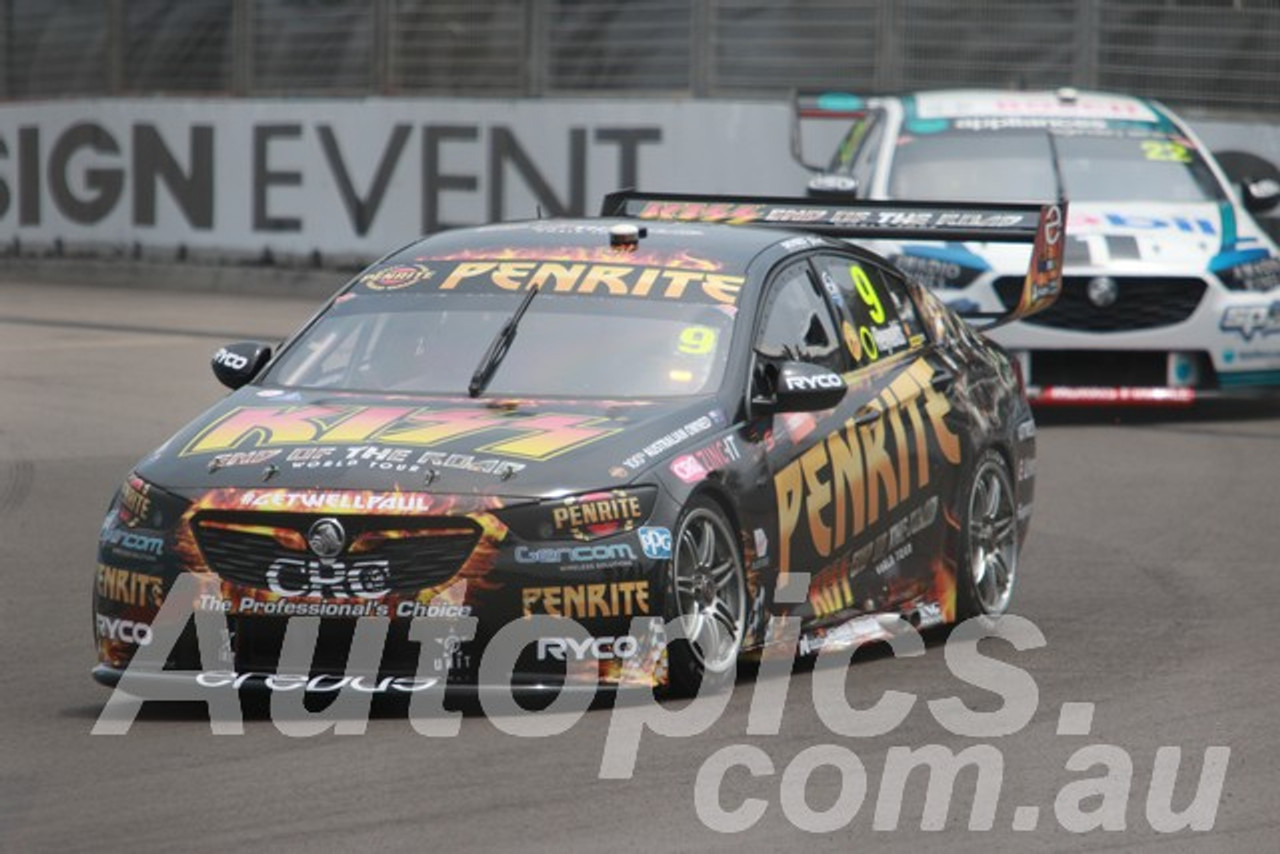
(1018, 166)
(581, 346)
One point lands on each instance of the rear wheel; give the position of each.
(988, 562)
(707, 592)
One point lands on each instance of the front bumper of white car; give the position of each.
(1129, 338)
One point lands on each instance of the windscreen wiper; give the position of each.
(499, 346)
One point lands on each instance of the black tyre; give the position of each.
(706, 590)
(987, 563)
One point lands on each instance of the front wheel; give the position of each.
(707, 592)
(988, 560)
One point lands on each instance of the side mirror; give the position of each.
(236, 364)
(1257, 177)
(796, 387)
(1260, 196)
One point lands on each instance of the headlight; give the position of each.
(140, 504)
(587, 516)
(1260, 275)
(138, 529)
(937, 272)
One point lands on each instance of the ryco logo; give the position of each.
(811, 382)
(127, 631)
(582, 649)
(234, 361)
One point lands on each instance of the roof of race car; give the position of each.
(589, 236)
(526, 248)
(1061, 109)
(999, 109)
(1061, 103)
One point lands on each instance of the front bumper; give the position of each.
(250, 573)
(1194, 341)
(166, 683)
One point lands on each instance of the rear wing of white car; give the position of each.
(1043, 226)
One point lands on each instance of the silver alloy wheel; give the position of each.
(993, 536)
(710, 590)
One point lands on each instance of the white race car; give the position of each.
(1172, 291)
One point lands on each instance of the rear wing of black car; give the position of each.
(1043, 226)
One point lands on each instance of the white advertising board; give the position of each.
(358, 176)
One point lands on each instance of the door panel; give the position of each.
(861, 491)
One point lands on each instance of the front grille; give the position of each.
(386, 555)
(1144, 302)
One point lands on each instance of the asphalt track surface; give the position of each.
(1151, 571)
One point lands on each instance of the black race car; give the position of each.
(678, 410)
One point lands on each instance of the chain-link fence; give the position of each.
(1219, 55)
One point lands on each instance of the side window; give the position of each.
(900, 292)
(878, 318)
(797, 323)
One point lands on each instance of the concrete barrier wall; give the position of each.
(353, 179)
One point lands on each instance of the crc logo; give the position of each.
(127, 631)
(1249, 320)
(688, 468)
(655, 543)
(329, 579)
(326, 537)
(234, 361)
(583, 649)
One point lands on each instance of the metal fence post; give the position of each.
(702, 48)
(1087, 44)
(113, 53)
(6, 46)
(536, 52)
(380, 56)
(241, 47)
(888, 73)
